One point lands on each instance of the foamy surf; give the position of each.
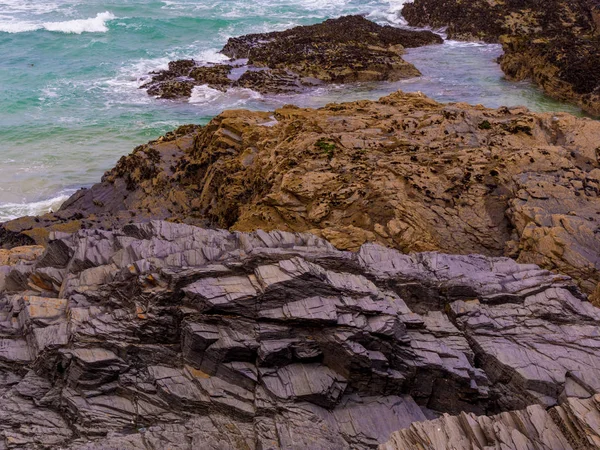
(70, 104)
(92, 25)
(10, 211)
(236, 97)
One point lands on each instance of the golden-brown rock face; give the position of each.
(405, 171)
(18, 255)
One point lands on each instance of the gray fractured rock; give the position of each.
(312, 382)
(162, 335)
(573, 425)
(404, 171)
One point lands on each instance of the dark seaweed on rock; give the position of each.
(343, 50)
(284, 47)
(556, 43)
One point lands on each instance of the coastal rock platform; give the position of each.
(406, 172)
(555, 43)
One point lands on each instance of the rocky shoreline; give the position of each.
(393, 274)
(345, 50)
(406, 172)
(555, 43)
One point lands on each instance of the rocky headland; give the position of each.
(344, 50)
(163, 335)
(405, 171)
(556, 43)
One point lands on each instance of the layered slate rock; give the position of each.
(343, 50)
(406, 172)
(161, 335)
(572, 425)
(556, 43)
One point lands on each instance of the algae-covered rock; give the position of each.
(344, 50)
(556, 43)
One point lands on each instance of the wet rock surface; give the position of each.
(406, 172)
(162, 335)
(555, 43)
(344, 50)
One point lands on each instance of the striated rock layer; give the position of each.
(556, 43)
(164, 335)
(406, 172)
(343, 50)
(573, 425)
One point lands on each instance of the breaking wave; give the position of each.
(92, 25)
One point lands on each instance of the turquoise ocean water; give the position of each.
(70, 72)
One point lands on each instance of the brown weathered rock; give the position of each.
(162, 335)
(343, 50)
(556, 43)
(406, 172)
(20, 254)
(18, 260)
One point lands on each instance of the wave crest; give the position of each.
(92, 25)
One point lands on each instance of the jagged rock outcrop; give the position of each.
(405, 171)
(570, 426)
(343, 50)
(164, 335)
(556, 43)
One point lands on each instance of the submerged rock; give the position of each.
(406, 172)
(344, 50)
(164, 335)
(556, 43)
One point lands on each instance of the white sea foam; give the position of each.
(48, 93)
(9, 211)
(92, 25)
(210, 56)
(204, 95)
(18, 27)
(452, 43)
(126, 84)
